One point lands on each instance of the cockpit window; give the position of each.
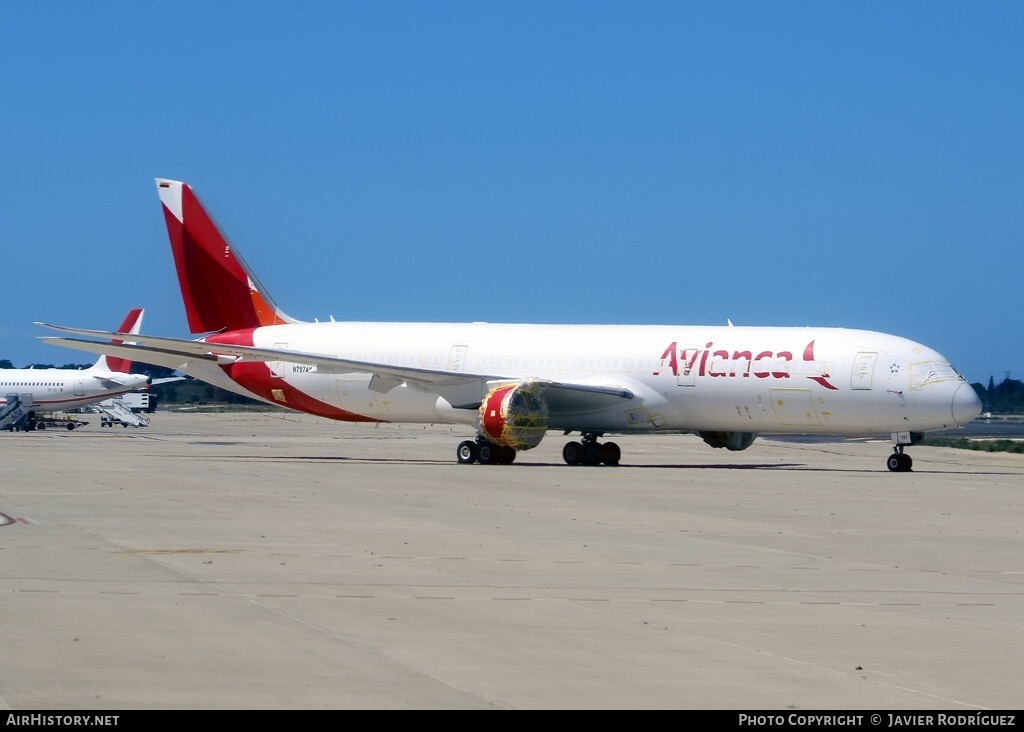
(926, 373)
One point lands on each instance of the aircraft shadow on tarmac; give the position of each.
(426, 461)
(624, 466)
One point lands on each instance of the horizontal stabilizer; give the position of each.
(110, 381)
(166, 380)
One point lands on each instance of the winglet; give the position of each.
(218, 289)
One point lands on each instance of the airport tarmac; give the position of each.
(279, 561)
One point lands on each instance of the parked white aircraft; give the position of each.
(52, 390)
(514, 383)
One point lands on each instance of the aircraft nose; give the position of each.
(966, 404)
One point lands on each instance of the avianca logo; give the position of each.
(765, 365)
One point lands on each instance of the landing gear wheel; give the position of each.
(485, 454)
(466, 452)
(610, 453)
(504, 455)
(572, 453)
(591, 452)
(899, 462)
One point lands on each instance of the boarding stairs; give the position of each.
(14, 414)
(115, 411)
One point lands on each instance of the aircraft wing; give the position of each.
(168, 358)
(461, 390)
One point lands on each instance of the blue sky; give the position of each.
(858, 165)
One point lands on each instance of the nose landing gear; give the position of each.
(899, 462)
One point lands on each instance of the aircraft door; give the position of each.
(457, 358)
(686, 368)
(79, 388)
(863, 370)
(277, 368)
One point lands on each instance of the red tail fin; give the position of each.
(218, 289)
(131, 325)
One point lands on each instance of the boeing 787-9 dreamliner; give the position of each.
(512, 384)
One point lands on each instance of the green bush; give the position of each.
(963, 443)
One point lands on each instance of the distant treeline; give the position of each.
(188, 390)
(5, 363)
(1006, 397)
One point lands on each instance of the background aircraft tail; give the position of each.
(218, 289)
(131, 325)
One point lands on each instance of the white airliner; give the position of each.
(513, 383)
(52, 390)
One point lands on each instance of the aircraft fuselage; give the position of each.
(64, 389)
(751, 379)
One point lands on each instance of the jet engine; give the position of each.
(729, 440)
(515, 415)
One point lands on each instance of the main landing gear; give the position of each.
(591, 452)
(588, 451)
(485, 452)
(899, 462)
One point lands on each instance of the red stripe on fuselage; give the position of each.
(258, 379)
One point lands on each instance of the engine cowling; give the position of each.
(729, 440)
(515, 415)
